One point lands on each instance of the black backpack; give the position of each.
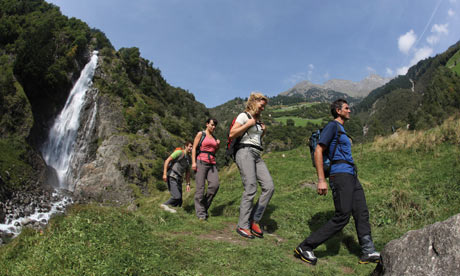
(232, 144)
(313, 143)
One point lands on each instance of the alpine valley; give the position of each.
(85, 129)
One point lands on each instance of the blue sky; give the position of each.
(222, 49)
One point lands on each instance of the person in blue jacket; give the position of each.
(347, 192)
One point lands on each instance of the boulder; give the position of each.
(433, 250)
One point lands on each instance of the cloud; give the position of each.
(370, 69)
(432, 39)
(389, 72)
(420, 54)
(326, 76)
(450, 12)
(437, 30)
(402, 70)
(440, 29)
(406, 41)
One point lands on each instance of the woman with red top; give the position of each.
(204, 163)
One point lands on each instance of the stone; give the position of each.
(432, 250)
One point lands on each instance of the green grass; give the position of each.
(299, 121)
(405, 189)
(290, 107)
(454, 63)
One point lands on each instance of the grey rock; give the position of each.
(432, 250)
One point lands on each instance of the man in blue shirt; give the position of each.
(347, 192)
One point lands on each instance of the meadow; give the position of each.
(408, 185)
(299, 121)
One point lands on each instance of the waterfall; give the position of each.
(59, 150)
(64, 151)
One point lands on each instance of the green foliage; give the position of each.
(15, 171)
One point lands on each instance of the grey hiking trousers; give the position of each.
(252, 170)
(175, 188)
(203, 200)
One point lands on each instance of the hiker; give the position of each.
(204, 151)
(347, 192)
(173, 170)
(249, 127)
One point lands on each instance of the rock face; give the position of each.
(356, 89)
(433, 250)
(337, 88)
(97, 172)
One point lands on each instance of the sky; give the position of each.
(222, 49)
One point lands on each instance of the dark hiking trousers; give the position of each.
(349, 199)
(175, 188)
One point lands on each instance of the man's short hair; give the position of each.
(337, 104)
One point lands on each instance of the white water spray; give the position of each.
(59, 149)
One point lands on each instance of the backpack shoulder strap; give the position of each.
(337, 137)
(203, 135)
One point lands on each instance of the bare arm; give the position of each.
(165, 168)
(239, 129)
(195, 144)
(187, 180)
(322, 185)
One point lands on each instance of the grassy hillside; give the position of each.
(411, 179)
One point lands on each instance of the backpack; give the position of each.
(232, 144)
(173, 161)
(313, 142)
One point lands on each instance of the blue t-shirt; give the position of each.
(343, 151)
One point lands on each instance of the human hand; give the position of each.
(322, 187)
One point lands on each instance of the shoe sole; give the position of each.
(366, 262)
(168, 209)
(244, 234)
(298, 255)
(261, 236)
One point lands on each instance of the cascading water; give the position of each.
(61, 152)
(59, 149)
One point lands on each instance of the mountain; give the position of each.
(356, 89)
(336, 88)
(423, 98)
(307, 91)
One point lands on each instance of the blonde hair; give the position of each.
(253, 99)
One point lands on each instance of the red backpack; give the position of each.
(232, 144)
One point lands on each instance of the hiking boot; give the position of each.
(167, 208)
(256, 231)
(305, 255)
(244, 232)
(373, 257)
